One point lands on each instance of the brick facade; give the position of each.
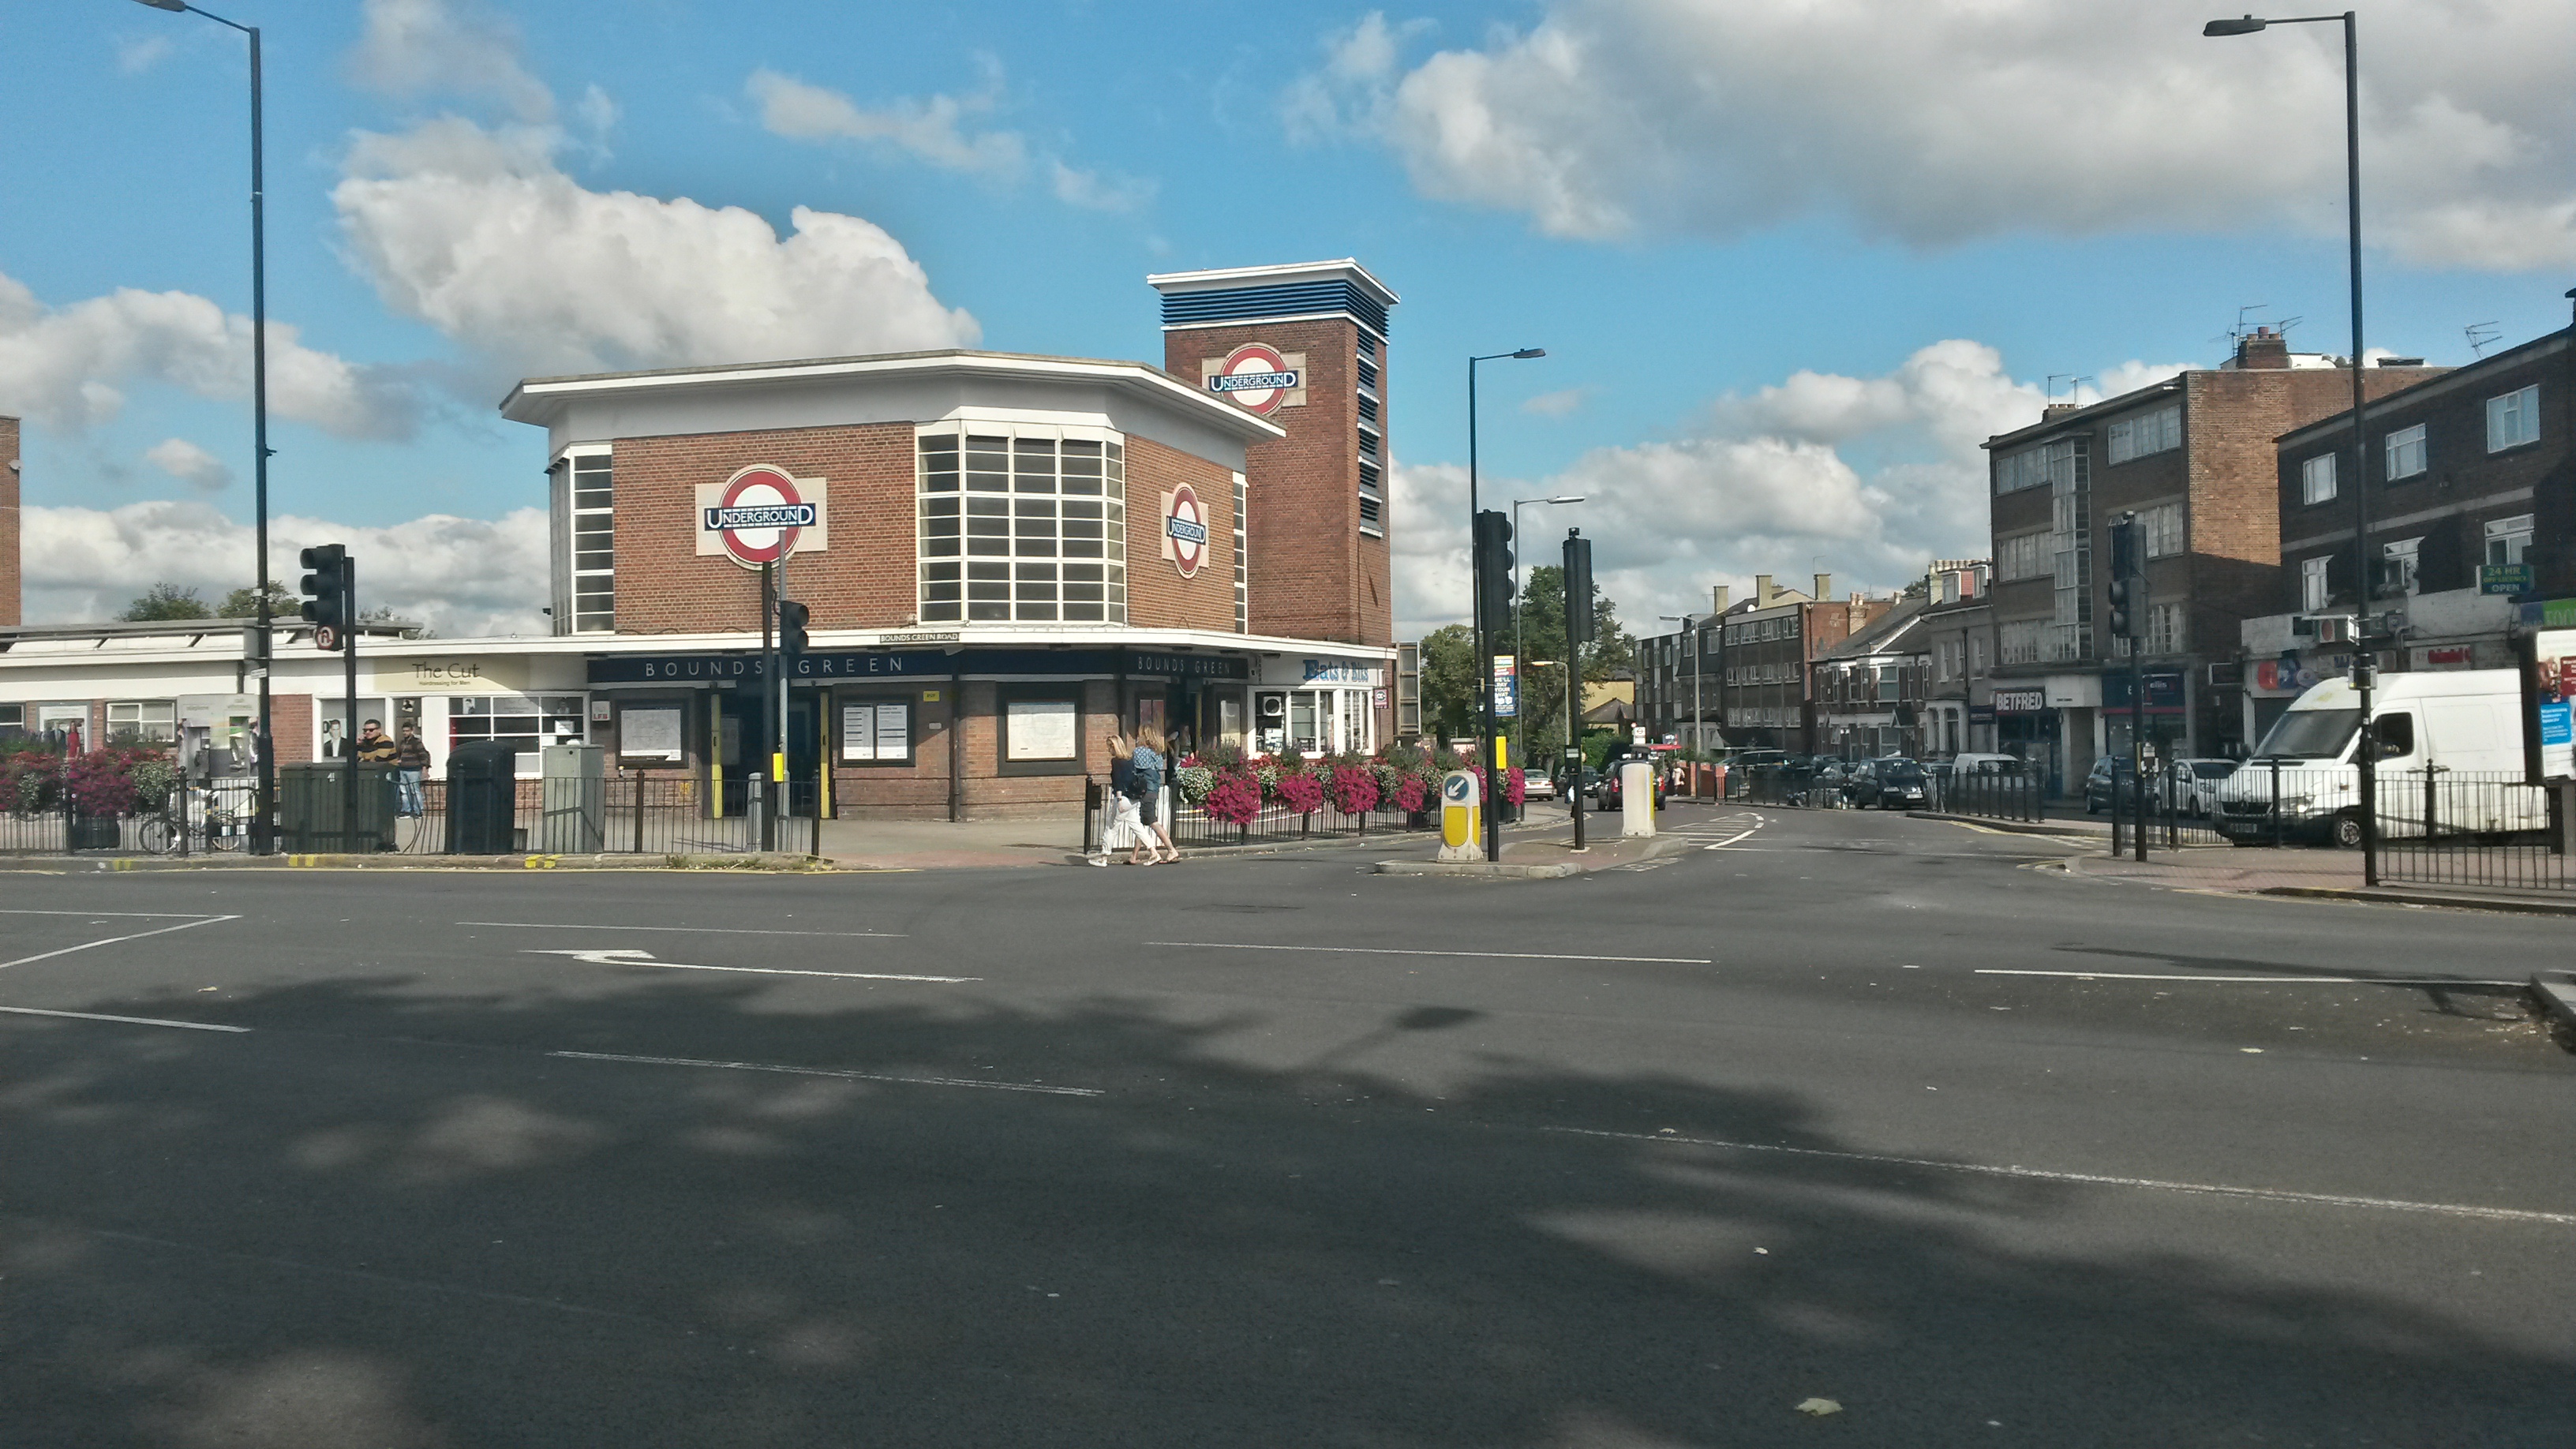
(1314, 574)
(1157, 596)
(11, 580)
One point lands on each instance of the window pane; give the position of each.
(988, 464)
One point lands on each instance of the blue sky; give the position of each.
(1789, 263)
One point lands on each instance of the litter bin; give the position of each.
(482, 798)
(311, 802)
(575, 800)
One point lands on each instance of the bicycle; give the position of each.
(216, 827)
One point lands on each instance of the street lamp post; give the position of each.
(2366, 666)
(1517, 550)
(1476, 570)
(260, 825)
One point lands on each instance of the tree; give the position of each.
(1542, 633)
(166, 601)
(1450, 699)
(244, 603)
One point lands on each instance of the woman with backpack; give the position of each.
(1152, 770)
(1126, 826)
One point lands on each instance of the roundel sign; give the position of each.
(1254, 377)
(1185, 530)
(758, 515)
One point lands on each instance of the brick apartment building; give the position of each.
(1959, 635)
(2193, 457)
(1769, 647)
(1871, 686)
(2471, 479)
(1005, 557)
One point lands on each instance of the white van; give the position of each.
(2465, 723)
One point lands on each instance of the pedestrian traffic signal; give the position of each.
(1578, 589)
(791, 627)
(326, 587)
(1494, 570)
(2127, 589)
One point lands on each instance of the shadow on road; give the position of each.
(387, 1218)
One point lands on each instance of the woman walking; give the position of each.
(1151, 772)
(1126, 827)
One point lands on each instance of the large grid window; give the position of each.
(142, 721)
(1022, 526)
(2513, 419)
(2156, 432)
(2163, 529)
(2405, 450)
(522, 722)
(585, 539)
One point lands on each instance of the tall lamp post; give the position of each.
(1518, 649)
(262, 840)
(1476, 570)
(2366, 664)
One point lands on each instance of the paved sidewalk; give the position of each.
(2326, 874)
(1533, 852)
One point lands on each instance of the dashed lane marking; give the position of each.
(645, 958)
(127, 1020)
(1395, 951)
(2251, 980)
(707, 930)
(831, 1072)
(2206, 1189)
(114, 940)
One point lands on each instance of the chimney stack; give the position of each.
(2262, 348)
(1717, 594)
(1762, 591)
(1824, 587)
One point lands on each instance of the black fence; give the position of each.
(1800, 785)
(1275, 824)
(633, 813)
(1986, 794)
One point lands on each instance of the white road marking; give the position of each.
(112, 940)
(832, 1072)
(645, 958)
(102, 915)
(2210, 1189)
(2253, 980)
(708, 930)
(128, 1020)
(1393, 951)
(1730, 840)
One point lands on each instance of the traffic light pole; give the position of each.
(766, 809)
(1577, 573)
(349, 699)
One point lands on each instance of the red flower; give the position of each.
(1513, 786)
(1235, 798)
(1301, 792)
(1354, 789)
(1411, 794)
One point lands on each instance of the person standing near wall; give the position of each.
(1153, 809)
(411, 766)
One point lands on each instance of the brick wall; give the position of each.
(921, 790)
(1313, 575)
(10, 577)
(291, 716)
(1157, 596)
(865, 579)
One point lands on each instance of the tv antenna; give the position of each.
(2482, 335)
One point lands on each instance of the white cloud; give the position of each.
(479, 233)
(189, 464)
(1560, 404)
(64, 367)
(136, 54)
(1948, 120)
(927, 130)
(446, 47)
(460, 576)
(1094, 192)
(1765, 482)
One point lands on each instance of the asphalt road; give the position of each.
(1274, 1151)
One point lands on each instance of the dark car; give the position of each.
(1609, 793)
(2110, 782)
(1894, 783)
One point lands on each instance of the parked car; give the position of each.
(2468, 720)
(1894, 783)
(1984, 764)
(1535, 786)
(2108, 784)
(2192, 786)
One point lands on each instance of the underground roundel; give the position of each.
(1185, 530)
(1255, 377)
(758, 514)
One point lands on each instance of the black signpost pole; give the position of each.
(349, 721)
(767, 810)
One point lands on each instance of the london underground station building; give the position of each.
(1005, 558)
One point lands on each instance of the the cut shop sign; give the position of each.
(1257, 377)
(761, 515)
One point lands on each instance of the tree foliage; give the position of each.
(1542, 636)
(166, 601)
(1449, 696)
(244, 603)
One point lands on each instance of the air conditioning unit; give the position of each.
(1274, 706)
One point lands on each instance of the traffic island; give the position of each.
(1549, 859)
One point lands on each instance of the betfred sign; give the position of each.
(1257, 377)
(1185, 530)
(761, 515)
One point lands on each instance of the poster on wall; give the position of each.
(876, 733)
(1040, 729)
(2549, 705)
(649, 734)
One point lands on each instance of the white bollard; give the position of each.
(1636, 798)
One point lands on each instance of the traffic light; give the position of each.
(2127, 590)
(1578, 588)
(1494, 570)
(791, 627)
(326, 586)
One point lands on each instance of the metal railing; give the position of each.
(2448, 827)
(1987, 794)
(635, 813)
(1275, 823)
